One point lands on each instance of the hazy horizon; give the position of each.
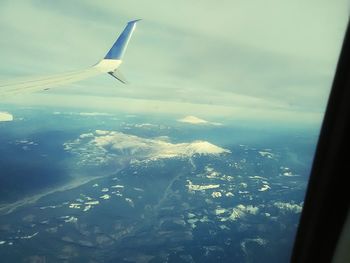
(273, 61)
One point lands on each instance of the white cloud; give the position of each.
(89, 114)
(233, 112)
(6, 116)
(105, 146)
(145, 125)
(94, 114)
(197, 121)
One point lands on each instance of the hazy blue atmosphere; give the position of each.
(203, 157)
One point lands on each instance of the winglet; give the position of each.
(118, 75)
(118, 49)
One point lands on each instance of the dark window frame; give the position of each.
(327, 198)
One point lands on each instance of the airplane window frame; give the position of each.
(326, 204)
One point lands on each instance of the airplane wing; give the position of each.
(109, 64)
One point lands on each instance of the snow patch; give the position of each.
(29, 236)
(197, 187)
(257, 240)
(229, 194)
(87, 208)
(117, 186)
(71, 219)
(289, 207)
(220, 211)
(5, 116)
(192, 120)
(106, 146)
(86, 135)
(244, 185)
(216, 194)
(92, 203)
(105, 197)
(130, 202)
(264, 188)
(145, 125)
(266, 154)
(241, 211)
(197, 121)
(75, 205)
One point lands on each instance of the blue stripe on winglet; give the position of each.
(118, 49)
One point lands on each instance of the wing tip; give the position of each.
(118, 49)
(134, 21)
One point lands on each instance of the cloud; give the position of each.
(94, 114)
(257, 115)
(145, 125)
(6, 116)
(88, 114)
(196, 121)
(102, 147)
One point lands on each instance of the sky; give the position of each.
(258, 60)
